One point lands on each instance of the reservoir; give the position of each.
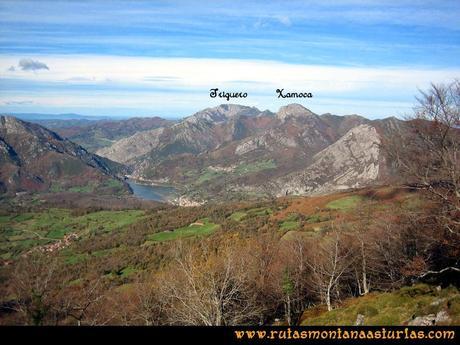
(149, 192)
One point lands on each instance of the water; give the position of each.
(156, 193)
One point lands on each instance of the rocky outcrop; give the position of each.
(442, 317)
(293, 110)
(127, 149)
(351, 162)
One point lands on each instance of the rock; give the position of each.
(351, 162)
(293, 110)
(126, 149)
(442, 317)
(431, 319)
(437, 302)
(359, 320)
(427, 320)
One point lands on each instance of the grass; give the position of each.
(207, 176)
(289, 225)
(187, 231)
(238, 216)
(346, 203)
(81, 189)
(19, 233)
(260, 211)
(75, 258)
(112, 183)
(390, 308)
(250, 168)
(291, 222)
(242, 169)
(317, 218)
(127, 271)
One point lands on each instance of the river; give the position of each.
(152, 192)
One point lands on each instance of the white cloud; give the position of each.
(176, 83)
(202, 73)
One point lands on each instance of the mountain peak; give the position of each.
(8, 119)
(222, 112)
(232, 110)
(11, 124)
(293, 110)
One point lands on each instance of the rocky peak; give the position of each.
(10, 124)
(25, 133)
(293, 110)
(222, 113)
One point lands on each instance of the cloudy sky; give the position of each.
(139, 58)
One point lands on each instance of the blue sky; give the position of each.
(162, 57)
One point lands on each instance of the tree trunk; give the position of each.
(364, 264)
(288, 309)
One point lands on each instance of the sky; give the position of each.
(161, 58)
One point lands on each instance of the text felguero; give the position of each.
(213, 93)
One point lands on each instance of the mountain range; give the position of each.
(35, 159)
(233, 151)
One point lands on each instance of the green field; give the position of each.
(19, 233)
(290, 223)
(238, 216)
(207, 176)
(250, 168)
(260, 211)
(346, 203)
(191, 230)
(318, 218)
(115, 185)
(242, 169)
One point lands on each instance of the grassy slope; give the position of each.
(390, 308)
(192, 230)
(208, 175)
(19, 233)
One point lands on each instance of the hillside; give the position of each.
(122, 261)
(231, 150)
(418, 305)
(35, 159)
(96, 134)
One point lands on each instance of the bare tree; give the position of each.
(329, 262)
(294, 276)
(362, 242)
(428, 151)
(33, 286)
(208, 288)
(143, 304)
(78, 302)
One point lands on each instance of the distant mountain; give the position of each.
(195, 134)
(35, 159)
(94, 135)
(230, 150)
(69, 116)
